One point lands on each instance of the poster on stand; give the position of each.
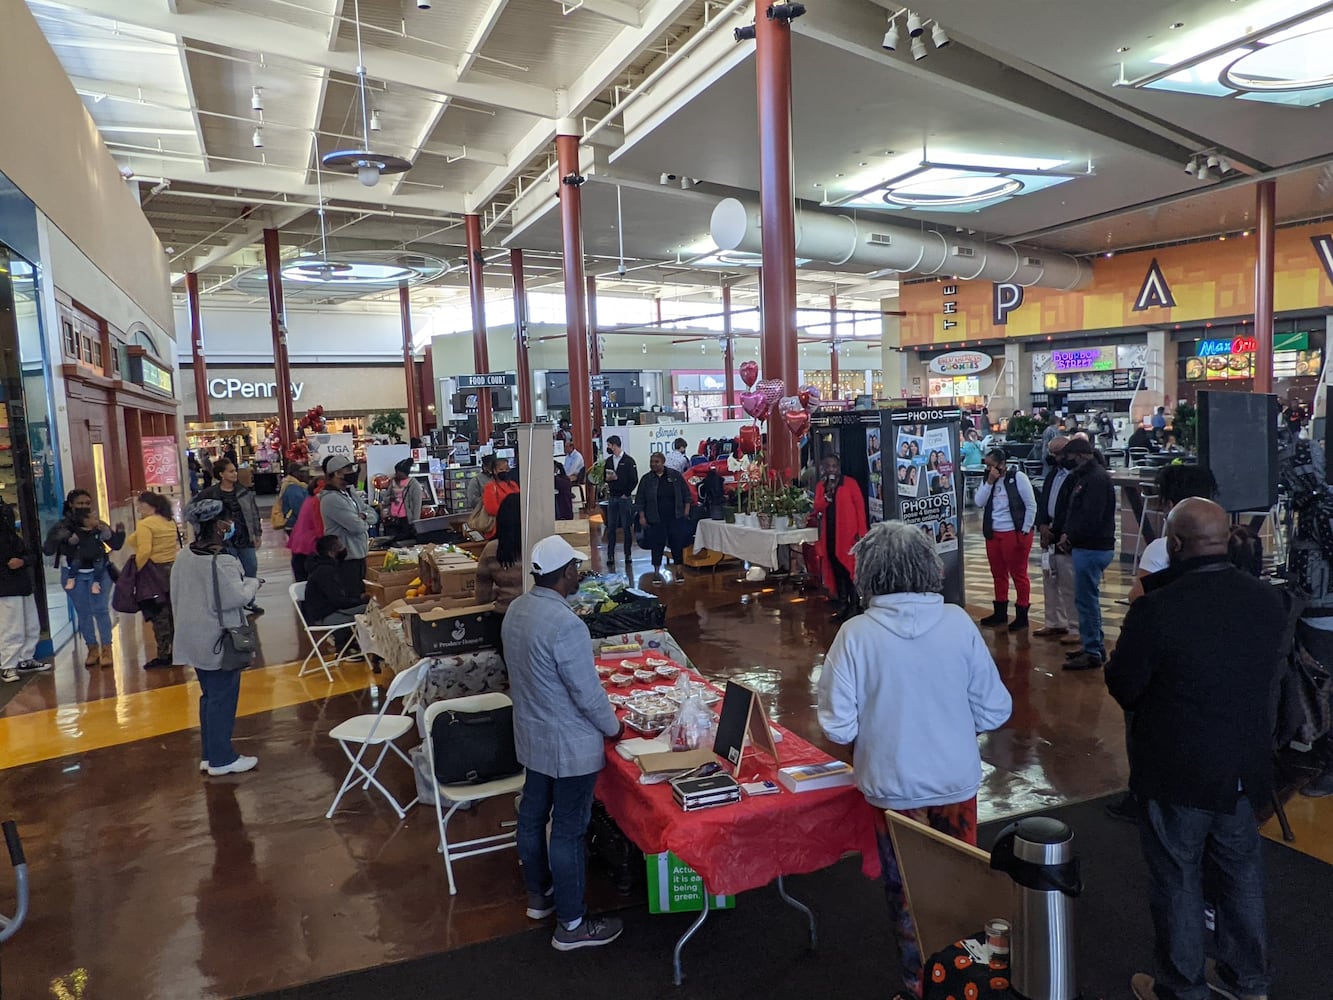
(925, 488)
(161, 462)
(324, 445)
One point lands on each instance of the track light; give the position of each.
(1192, 166)
(256, 98)
(919, 50)
(914, 25)
(939, 36)
(257, 140)
(1211, 161)
(1203, 173)
(375, 120)
(1223, 165)
(891, 37)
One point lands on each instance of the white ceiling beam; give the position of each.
(190, 98)
(273, 180)
(422, 137)
(247, 237)
(658, 15)
(279, 40)
(612, 10)
(490, 17)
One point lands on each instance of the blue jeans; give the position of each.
(92, 611)
(567, 803)
(249, 557)
(1089, 565)
(220, 690)
(1175, 841)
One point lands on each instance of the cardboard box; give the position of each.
(458, 581)
(392, 577)
(450, 631)
(383, 594)
(682, 760)
(375, 558)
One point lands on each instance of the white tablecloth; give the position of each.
(753, 545)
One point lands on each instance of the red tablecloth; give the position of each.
(749, 844)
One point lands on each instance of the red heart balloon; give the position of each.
(797, 421)
(772, 389)
(749, 373)
(749, 439)
(755, 404)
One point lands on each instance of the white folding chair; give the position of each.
(317, 634)
(459, 796)
(379, 730)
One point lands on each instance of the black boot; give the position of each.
(1020, 622)
(1000, 617)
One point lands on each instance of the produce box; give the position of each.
(375, 558)
(457, 581)
(448, 631)
(392, 577)
(386, 594)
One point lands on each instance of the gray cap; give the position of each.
(337, 463)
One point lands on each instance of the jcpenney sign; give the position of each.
(230, 388)
(960, 363)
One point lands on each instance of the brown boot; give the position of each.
(107, 661)
(93, 657)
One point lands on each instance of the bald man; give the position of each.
(1197, 663)
(1057, 568)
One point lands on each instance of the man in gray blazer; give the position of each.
(562, 718)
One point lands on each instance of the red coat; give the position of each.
(851, 516)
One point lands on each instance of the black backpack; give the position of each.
(474, 747)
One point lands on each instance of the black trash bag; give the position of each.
(635, 614)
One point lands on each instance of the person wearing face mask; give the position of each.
(332, 596)
(1089, 539)
(842, 522)
(503, 485)
(622, 476)
(663, 503)
(79, 543)
(1057, 568)
(346, 513)
(243, 512)
(402, 504)
(1008, 510)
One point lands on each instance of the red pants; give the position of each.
(1007, 552)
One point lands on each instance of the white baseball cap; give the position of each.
(553, 553)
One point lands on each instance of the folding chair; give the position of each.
(317, 634)
(459, 796)
(378, 730)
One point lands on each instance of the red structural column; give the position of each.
(524, 368)
(199, 363)
(833, 345)
(414, 404)
(576, 315)
(282, 368)
(426, 389)
(594, 355)
(777, 221)
(1266, 231)
(480, 352)
(728, 354)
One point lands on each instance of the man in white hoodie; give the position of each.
(911, 683)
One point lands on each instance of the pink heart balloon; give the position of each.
(755, 404)
(810, 396)
(772, 388)
(749, 373)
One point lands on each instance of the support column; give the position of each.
(833, 345)
(521, 337)
(1266, 233)
(199, 363)
(428, 390)
(414, 405)
(480, 351)
(728, 355)
(282, 369)
(594, 356)
(893, 363)
(576, 314)
(777, 222)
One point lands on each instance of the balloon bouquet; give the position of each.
(312, 423)
(760, 399)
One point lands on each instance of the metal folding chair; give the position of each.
(379, 730)
(317, 634)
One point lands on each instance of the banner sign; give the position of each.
(323, 445)
(927, 483)
(495, 380)
(161, 462)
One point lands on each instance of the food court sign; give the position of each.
(960, 363)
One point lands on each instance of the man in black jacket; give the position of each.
(1201, 741)
(1057, 572)
(332, 595)
(1089, 539)
(663, 503)
(621, 477)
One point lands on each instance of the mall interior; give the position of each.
(419, 234)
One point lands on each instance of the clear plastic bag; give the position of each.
(694, 724)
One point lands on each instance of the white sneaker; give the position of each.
(9, 674)
(203, 765)
(238, 766)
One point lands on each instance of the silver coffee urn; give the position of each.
(1038, 854)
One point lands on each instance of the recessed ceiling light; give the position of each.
(1122, 48)
(816, 184)
(839, 175)
(1176, 24)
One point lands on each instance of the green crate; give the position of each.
(674, 887)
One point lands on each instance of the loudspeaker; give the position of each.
(1238, 444)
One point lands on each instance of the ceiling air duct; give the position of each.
(839, 239)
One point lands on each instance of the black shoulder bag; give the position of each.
(238, 644)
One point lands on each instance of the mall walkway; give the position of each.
(159, 884)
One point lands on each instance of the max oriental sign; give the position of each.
(230, 388)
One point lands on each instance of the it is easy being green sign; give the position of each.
(674, 887)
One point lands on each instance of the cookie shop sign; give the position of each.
(230, 388)
(960, 363)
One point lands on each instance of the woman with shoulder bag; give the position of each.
(211, 582)
(403, 507)
(154, 544)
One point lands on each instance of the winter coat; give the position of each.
(850, 511)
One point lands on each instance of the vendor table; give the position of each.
(753, 545)
(751, 843)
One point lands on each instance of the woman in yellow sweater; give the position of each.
(155, 544)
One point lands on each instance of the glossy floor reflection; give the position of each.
(163, 884)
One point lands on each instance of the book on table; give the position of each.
(816, 777)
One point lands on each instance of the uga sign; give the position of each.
(960, 363)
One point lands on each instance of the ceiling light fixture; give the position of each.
(256, 98)
(375, 120)
(368, 165)
(914, 25)
(919, 50)
(892, 36)
(939, 36)
(257, 140)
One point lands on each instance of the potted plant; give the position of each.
(1185, 425)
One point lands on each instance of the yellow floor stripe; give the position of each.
(107, 722)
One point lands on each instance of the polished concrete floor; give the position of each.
(152, 882)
